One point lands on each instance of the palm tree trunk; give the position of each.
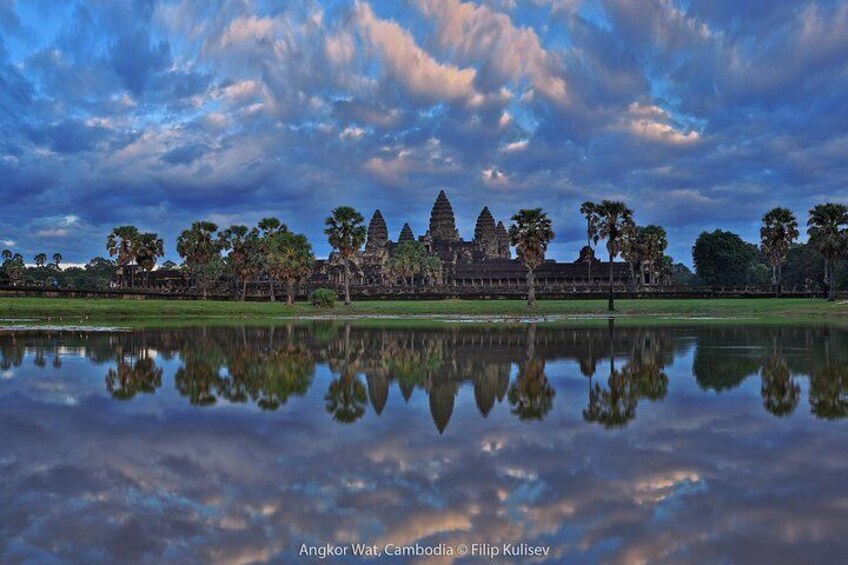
(244, 290)
(531, 288)
(271, 284)
(290, 293)
(831, 288)
(779, 279)
(827, 284)
(347, 281)
(611, 291)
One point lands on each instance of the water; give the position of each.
(252, 444)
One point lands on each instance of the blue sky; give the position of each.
(699, 114)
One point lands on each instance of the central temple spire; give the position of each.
(442, 221)
(378, 233)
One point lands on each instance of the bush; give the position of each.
(323, 298)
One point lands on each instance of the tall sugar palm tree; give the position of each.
(57, 259)
(615, 220)
(828, 231)
(148, 248)
(7, 255)
(588, 211)
(531, 233)
(40, 259)
(121, 243)
(778, 232)
(245, 253)
(346, 233)
(268, 229)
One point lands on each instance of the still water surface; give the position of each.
(603, 444)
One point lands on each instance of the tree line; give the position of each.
(271, 253)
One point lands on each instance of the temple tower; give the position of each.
(442, 221)
(503, 241)
(378, 233)
(406, 234)
(485, 235)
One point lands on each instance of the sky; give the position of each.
(699, 114)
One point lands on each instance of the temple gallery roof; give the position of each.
(507, 268)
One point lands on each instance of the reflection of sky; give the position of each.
(700, 476)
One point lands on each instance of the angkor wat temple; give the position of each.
(482, 263)
(480, 267)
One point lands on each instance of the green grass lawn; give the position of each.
(76, 310)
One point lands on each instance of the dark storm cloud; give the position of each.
(158, 113)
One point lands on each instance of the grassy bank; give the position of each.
(75, 310)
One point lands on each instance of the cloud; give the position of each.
(508, 53)
(185, 155)
(412, 67)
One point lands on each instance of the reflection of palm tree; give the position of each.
(614, 406)
(289, 372)
(829, 391)
(129, 379)
(779, 390)
(199, 381)
(531, 395)
(650, 380)
(268, 378)
(11, 353)
(346, 398)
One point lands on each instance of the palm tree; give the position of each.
(40, 260)
(588, 210)
(407, 260)
(431, 269)
(7, 255)
(268, 227)
(531, 233)
(245, 253)
(148, 247)
(615, 219)
(121, 242)
(779, 231)
(346, 233)
(201, 249)
(828, 231)
(290, 260)
(57, 258)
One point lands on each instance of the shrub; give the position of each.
(323, 298)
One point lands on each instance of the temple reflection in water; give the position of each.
(623, 366)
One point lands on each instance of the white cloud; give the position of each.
(351, 132)
(413, 67)
(477, 33)
(652, 123)
(515, 146)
